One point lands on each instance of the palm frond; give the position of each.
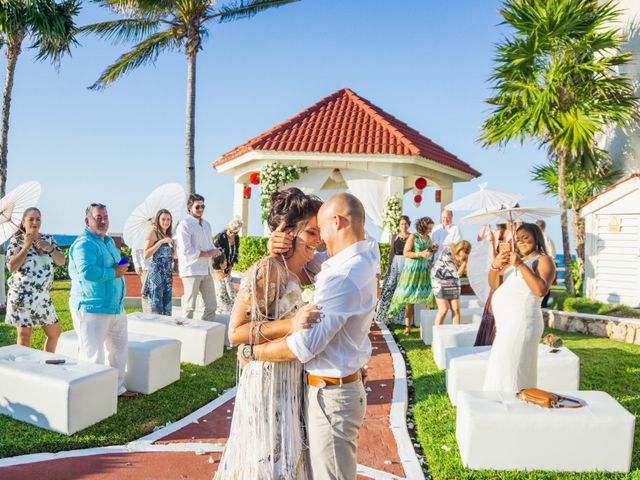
(143, 53)
(245, 9)
(122, 31)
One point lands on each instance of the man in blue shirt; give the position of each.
(97, 293)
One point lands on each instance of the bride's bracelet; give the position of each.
(494, 269)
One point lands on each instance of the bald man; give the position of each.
(334, 350)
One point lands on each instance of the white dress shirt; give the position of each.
(346, 290)
(550, 247)
(139, 262)
(192, 238)
(443, 236)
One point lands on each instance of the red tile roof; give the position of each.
(608, 189)
(346, 123)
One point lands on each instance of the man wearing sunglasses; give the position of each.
(195, 251)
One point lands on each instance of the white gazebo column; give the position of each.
(446, 195)
(241, 207)
(395, 186)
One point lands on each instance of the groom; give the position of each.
(334, 350)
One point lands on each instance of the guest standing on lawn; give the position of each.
(414, 284)
(97, 293)
(225, 293)
(195, 251)
(445, 233)
(520, 279)
(229, 242)
(445, 280)
(31, 257)
(158, 247)
(396, 264)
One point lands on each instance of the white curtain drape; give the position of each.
(312, 181)
(370, 188)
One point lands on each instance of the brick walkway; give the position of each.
(191, 448)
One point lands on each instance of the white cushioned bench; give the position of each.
(497, 431)
(202, 342)
(428, 320)
(63, 398)
(451, 336)
(470, 301)
(468, 366)
(152, 364)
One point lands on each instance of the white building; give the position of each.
(612, 249)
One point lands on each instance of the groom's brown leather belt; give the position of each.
(321, 382)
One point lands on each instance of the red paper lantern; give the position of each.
(417, 199)
(420, 183)
(254, 178)
(438, 196)
(246, 193)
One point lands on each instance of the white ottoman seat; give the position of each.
(64, 398)
(152, 364)
(470, 301)
(428, 320)
(450, 336)
(497, 431)
(556, 371)
(202, 342)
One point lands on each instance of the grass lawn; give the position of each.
(604, 365)
(136, 416)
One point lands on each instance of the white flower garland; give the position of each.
(274, 176)
(391, 214)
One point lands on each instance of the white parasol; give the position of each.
(169, 196)
(13, 205)
(478, 267)
(485, 199)
(511, 215)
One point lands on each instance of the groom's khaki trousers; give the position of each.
(334, 415)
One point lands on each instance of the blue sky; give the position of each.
(424, 61)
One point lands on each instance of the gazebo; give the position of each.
(345, 141)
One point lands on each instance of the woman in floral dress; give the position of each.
(31, 257)
(414, 284)
(159, 247)
(396, 265)
(445, 280)
(225, 293)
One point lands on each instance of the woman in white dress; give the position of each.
(521, 279)
(267, 439)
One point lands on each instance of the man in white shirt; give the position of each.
(195, 251)
(336, 349)
(446, 233)
(141, 265)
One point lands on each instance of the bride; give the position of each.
(520, 279)
(267, 439)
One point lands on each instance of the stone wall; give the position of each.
(621, 329)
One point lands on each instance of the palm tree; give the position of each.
(585, 177)
(556, 82)
(160, 25)
(50, 26)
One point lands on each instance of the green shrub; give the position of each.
(577, 278)
(558, 301)
(581, 305)
(61, 272)
(385, 251)
(251, 250)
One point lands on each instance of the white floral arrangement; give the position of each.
(391, 214)
(274, 176)
(308, 294)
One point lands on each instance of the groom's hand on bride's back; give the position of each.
(306, 318)
(280, 240)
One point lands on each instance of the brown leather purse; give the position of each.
(545, 399)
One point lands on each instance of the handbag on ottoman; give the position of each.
(545, 399)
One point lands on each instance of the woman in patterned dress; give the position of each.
(31, 257)
(445, 280)
(396, 264)
(414, 285)
(225, 293)
(267, 439)
(159, 247)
